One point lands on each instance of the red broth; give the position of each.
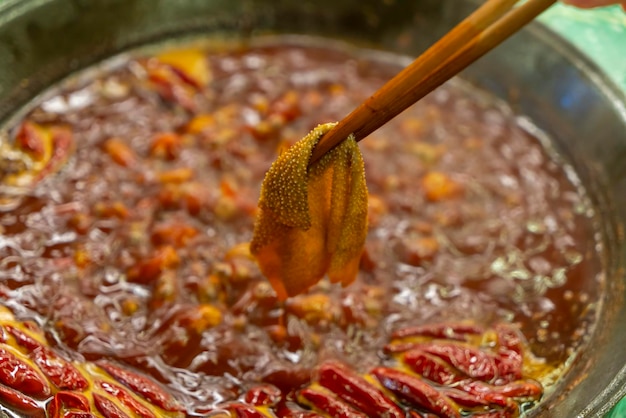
(130, 243)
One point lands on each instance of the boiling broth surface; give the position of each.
(134, 249)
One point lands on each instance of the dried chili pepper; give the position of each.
(47, 148)
(416, 414)
(241, 410)
(126, 399)
(143, 386)
(263, 395)
(178, 75)
(107, 407)
(431, 367)
(63, 145)
(61, 372)
(66, 403)
(509, 360)
(473, 400)
(328, 403)
(469, 360)
(416, 391)
(18, 375)
(357, 391)
(33, 139)
(287, 410)
(20, 402)
(527, 389)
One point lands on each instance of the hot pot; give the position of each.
(537, 73)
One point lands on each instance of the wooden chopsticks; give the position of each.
(487, 27)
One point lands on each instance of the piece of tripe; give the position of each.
(312, 219)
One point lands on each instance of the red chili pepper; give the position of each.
(447, 331)
(499, 396)
(61, 372)
(510, 354)
(142, 386)
(77, 414)
(284, 410)
(525, 389)
(509, 369)
(416, 392)
(63, 143)
(263, 395)
(357, 391)
(20, 376)
(242, 410)
(431, 367)
(472, 361)
(127, 400)
(22, 338)
(64, 402)
(29, 139)
(107, 408)
(415, 414)
(473, 400)
(328, 403)
(509, 338)
(20, 402)
(522, 389)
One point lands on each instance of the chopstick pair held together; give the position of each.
(487, 27)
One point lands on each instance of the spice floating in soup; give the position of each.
(126, 260)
